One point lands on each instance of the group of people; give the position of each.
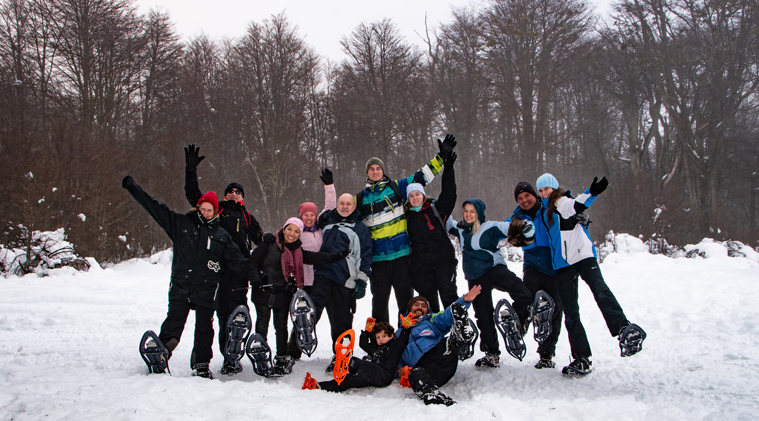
(390, 237)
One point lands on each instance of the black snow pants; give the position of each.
(434, 280)
(392, 274)
(535, 281)
(263, 316)
(232, 292)
(326, 291)
(501, 279)
(434, 369)
(361, 374)
(567, 281)
(173, 326)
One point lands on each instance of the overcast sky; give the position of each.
(322, 22)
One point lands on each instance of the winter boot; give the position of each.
(490, 360)
(431, 395)
(581, 366)
(202, 370)
(231, 368)
(545, 362)
(283, 365)
(331, 366)
(631, 340)
(310, 383)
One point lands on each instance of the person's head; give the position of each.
(474, 213)
(208, 205)
(418, 306)
(383, 333)
(346, 204)
(546, 184)
(416, 196)
(292, 229)
(525, 195)
(375, 169)
(234, 192)
(307, 212)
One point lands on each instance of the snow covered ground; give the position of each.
(68, 350)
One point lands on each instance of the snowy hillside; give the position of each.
(68, 350)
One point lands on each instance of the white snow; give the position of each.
(82, 216)
(69, 351)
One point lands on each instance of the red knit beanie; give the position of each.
(307, 207)
(211, 198)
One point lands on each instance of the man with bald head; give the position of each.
(342, 282)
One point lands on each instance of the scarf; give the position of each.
(416, 208)
(292, 262)
(312, 228)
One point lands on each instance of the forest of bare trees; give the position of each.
(660, 96)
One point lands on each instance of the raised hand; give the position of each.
(451, 159)
(408, 321)
(446, 146)
(598, 187)
(327, 177)
(191, 158)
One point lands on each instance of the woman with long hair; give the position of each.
(573, 254)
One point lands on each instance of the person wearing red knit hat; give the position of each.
(201, 248)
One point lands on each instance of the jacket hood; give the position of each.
(479, 206)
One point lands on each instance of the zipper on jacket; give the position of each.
(238, 224)
(429, 224)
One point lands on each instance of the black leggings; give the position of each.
(502, 279)
(263, 315)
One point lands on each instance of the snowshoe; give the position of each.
(489, 361)
(578, 368)
(545, 363)
(238, 329)
(155, 355)
(302, 314)
(466, 352)
(260, 355)
(343, 353)
(631, 340)
(542, 316)
(283, 365)
(310, 383)
(507, 322)
(202, 370)
(231, 368)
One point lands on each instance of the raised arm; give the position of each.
(158, 211)
(330, 196)
(568, 207)
(191, 188)
(447, 200)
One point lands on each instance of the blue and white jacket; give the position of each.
(346, 233)
(538, 253)
(428, 331)
(480, 251)
(569, 240)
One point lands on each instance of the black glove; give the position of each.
(343, 254)
(451, 159)
(598, 187)
(191, 158)
(269, 238)
(446, 146)
(360, 290)
(127, 181)
(327, 177)
(582, 219)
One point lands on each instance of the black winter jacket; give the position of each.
(388, 355)
(430, 244)
(201, 249)
(234, 218)
(268, 285)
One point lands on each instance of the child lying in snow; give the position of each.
(377, 369)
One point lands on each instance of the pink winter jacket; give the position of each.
(312, 241)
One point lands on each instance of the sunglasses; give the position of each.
(235, 191)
